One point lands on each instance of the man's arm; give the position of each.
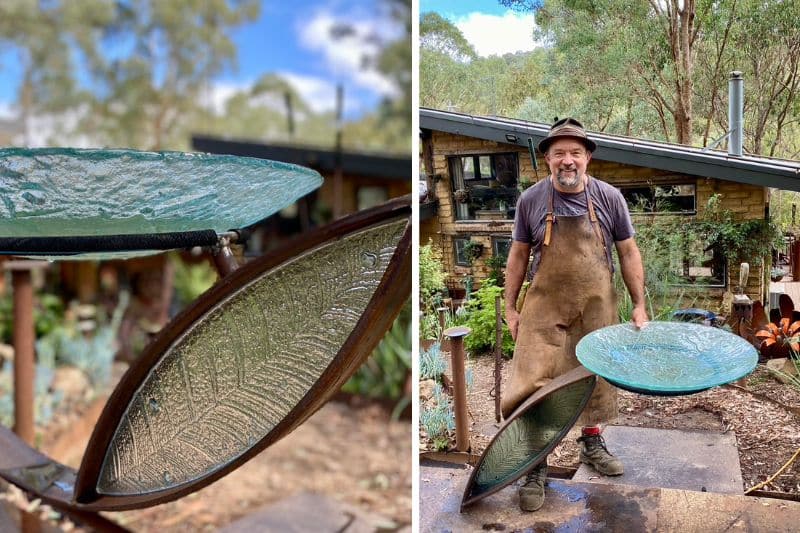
(630, 261)
(516, 266)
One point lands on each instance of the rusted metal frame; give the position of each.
(392, 292)
(16, 452)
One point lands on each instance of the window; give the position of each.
(698, 263)
(680, 253)
(678, 198)
(500, 247)
(484, 186)
(460, 246)
(369, 196)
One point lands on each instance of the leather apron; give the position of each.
(571, 295)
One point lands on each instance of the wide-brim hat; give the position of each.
(569, 128)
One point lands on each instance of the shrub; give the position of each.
(439, 420)
(431, 278)
(431, 363)
(481, 320)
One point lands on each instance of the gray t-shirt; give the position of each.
(609, 205)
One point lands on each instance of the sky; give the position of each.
(491, 28)
(295, 42)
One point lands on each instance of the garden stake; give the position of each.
(24, 365)
(456, 335)
(498, 356)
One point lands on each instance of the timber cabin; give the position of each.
(476, 167)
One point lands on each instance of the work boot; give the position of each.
(531, 493)
(595, 454)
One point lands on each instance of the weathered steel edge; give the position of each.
(573, 376)
(393, 290)
(761, 171)
(17, 453)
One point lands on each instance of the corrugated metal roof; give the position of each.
(754, 170)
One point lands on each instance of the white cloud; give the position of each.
(348, 56)
(319, 93)
(498, 34)
(7, 110)
(217, 94)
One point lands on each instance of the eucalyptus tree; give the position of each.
(160, 57)
(41, 35)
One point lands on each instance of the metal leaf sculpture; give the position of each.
(529, 434)
(243, 366)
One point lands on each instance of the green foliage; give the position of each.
(496, 265)
(93, 354)
(793, 380)
(472, 251)
(656, 70)
(480, 317)
(48, 312)
(748, 240)
(431, 363)
(384, 374)
(431, 278)
(437, 34)
(439, 420)
(191, 280)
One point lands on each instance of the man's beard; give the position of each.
(568, 182)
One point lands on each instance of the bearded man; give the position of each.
(569, 221)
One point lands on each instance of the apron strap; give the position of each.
(550, 218)
(593, 216)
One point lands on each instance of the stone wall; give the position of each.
(745, 201)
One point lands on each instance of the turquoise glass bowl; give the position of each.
(60, 192)
(666, 358)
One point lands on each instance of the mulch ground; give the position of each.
(355, 454)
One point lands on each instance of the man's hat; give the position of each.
(567, 127)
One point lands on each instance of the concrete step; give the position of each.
(579, 506)
(671, 458)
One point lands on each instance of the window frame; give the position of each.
(462, 212)
(456, 240)
(496, 240)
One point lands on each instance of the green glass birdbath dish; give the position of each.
(666, 358)
(87, 202)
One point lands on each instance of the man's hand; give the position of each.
(639, 316)
(512, 319)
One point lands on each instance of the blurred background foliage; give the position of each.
(136, 74)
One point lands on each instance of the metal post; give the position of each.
(498, 356)
(24, 363)
(735, 112)
(24, 337)
(456, 336)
